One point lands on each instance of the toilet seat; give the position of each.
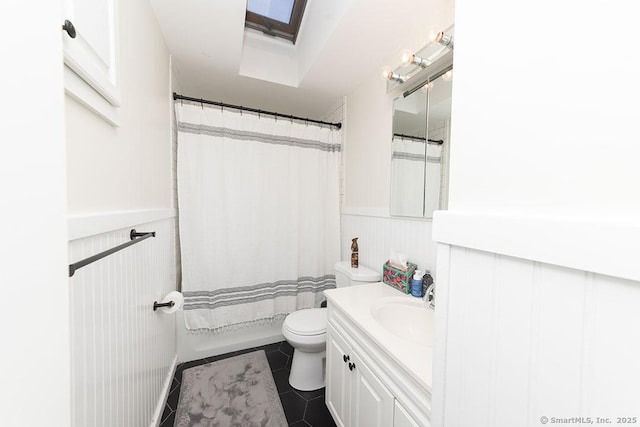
(307, 323)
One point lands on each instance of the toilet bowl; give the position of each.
(306, 331)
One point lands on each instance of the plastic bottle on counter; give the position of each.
(416, 284)
(427, 281)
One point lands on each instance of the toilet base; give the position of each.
(307, 370)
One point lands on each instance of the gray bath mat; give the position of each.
(238, 391)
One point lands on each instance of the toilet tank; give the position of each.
(347, 276)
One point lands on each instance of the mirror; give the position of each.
(420, 149)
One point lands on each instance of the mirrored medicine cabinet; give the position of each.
(420, 144)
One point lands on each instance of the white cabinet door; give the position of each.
(92, 56)
(402, 418)
(338, 391)
(372, 403)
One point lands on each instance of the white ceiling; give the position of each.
(341, 42)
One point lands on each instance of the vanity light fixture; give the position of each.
(436, 55)
(408, 58)
(444, 39)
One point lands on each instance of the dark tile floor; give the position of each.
(302, 408)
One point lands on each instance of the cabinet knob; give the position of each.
(69, 28)
(352, 366)
(345, 358)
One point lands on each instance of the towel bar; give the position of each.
(135, 236)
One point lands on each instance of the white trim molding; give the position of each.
(374, 212)
(606, 245)
(81, 91)
(164, 394)
(85, 225)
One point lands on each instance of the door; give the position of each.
(338, 391)
(371, 404)
(402, 418)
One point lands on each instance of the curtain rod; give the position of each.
(254, 110)
(419, 138)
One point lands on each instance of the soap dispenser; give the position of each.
(416, 284)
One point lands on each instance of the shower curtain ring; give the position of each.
(241, 111)
(259, 112)
(201, 103)
(291, 117)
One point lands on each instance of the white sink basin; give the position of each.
(405, 318)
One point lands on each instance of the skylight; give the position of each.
(277, 18)
(278, 10)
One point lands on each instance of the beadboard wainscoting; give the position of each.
(377, 235)
(520, 339)
(123, 353)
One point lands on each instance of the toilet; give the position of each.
(306, 331)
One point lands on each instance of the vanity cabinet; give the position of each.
(90, 45)
(359, 393)
(402, 418)
(354, 395)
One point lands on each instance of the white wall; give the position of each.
(367, 151)
(547, 117)
(543, 125)
(33, 257)
(128, 167)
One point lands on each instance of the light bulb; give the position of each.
(406, 57)
(386, 73)
(409, 58)
(444, 39)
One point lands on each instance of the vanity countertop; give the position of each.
(357, 301)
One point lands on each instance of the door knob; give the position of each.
(69, 28)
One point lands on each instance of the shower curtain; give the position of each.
(258, 213)
(407, 171)
(416, 177)
(433, 177)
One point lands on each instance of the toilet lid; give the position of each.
(307, 322)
